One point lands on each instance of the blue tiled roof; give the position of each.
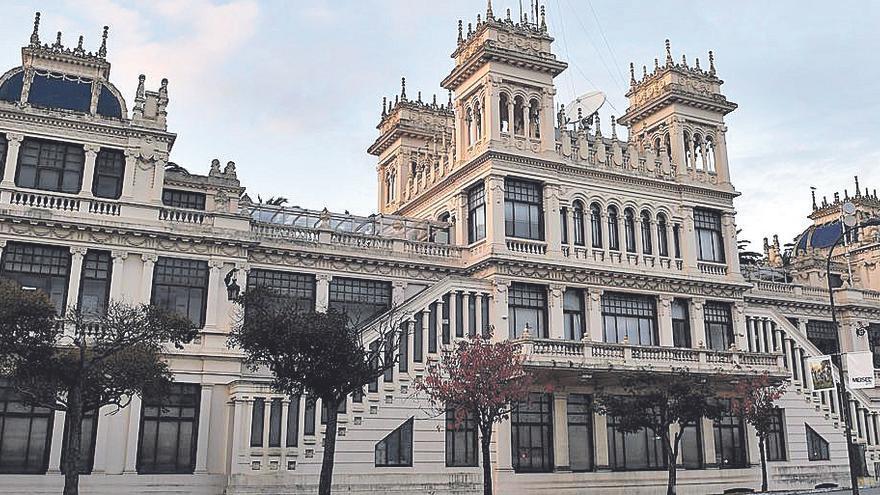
(10, 90)
(108, 104)
(818, 237)
(49, 90)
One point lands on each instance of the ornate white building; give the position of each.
(596, 253)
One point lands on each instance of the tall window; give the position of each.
(396, 448)
(691, 447)
(523, 209)
(775, 443)
(469, 124)
(527, 305)
(647, 245)
(730, 450)
(50, 166)
(519, 127)
(88, 437)
(823, 335)
(629, 229)
(578, 221)
(613, 237)
(183, 199)
(94, 290)
(258, 421)
(292, 439)
(596, 225)
(710, 246)
(580, 432)
(181, 285)
(531, 429)
(629, 316)
(390, 186)
(109, 173)
(534, 119)
(640, 450)
(3, 145)
(297, 289)
(573, 313)
(504, 112)
(41, 267)
(360, 299)
(676, 240)
(662, 241)
(681, 325)
(169, 431)
(719, 325)
(817, 447)
(25, 434)
(478, 122)
(309, 416)
(563, 224)
(461, 442)
(476, 197)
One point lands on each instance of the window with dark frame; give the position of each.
(580, 432)
(662, 241)
(396, 448)
(647, 245)
(719, 325)
(676, 240)
(94, 288)
(613, 236)
(629, 316)
(25, 434)
(476, 201)
(642, 450)
(275, 423)
(691, 446)
(523, 209)
(629, 230)
(292, 439)
(730, 446)
(563, 224)
(3, 146)
(177, 198)
(88, 439)
(360, 299)
(39, 266)
(461, 441)
(527, 305)
(823, 334)
(817, 447)
(775, 443)
(710, 244)
(343, 407)
(578, 223)
(50, 166)
(258, 421)
(181, 285)
(596, 225)
(681, 324)
(531, 429)
(293, 288)
(309, 416)
(169, 431)
(573, 313)
(109, 174)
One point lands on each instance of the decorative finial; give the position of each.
(613, 128)
(460, 35)
(632, 74)
(858, 191)
(58, 41)
(684, 60)
(419, 99)
(384, 106)
(543, 19)
(163, 88)
(656, 64)
(489, 14)
(470, 29)
(479, 20)
(434, 101)
(697, 61)
(449, 103)
(813, 194)
(711, 63)
(102, 52)
(402, 89)
(644, 71)
(669, 61)
(79, 45)
(598, 124)
(35, 36)
(845, 194)
(508, 14)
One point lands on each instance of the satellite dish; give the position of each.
(848, 208)
(588, 103)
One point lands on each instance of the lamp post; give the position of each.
(841, 389)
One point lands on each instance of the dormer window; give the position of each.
(190, 200)
(50, 166)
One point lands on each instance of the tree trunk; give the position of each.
(761, 448)
(329, 450)
(671, 462)
(73, 429)
(485, 442)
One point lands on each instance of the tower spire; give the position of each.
(489, 14)
(35, 36)
(858, 191)
(543, 19)
(460, 34)
(58, 41)
(813, 193)
(711, 63)
(669, 60)
(632, 74)
(402, 89)
(102, 52)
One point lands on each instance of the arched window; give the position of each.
(578, 218)
(469, 120)
(688, 151)
(534, 120)
(629, 229)
(478, 122)
(698, 152)
(657, 146)
(647, 245)
(710, 154)
(519, 125)
(504, 112)
(596, 224)
(668, 145)
(662, 242)
(613, 235)
(390, 186)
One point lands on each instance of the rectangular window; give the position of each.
(523, 209)
(50, 166)
(719, 325)
(176, 198)
(360, 299)
(396, 448)
(39, 266)
(531, 429)
(459, 316)
(580, 432)
(573, 313)
(432, 328)
(258, 422)
(343, 406)
(775, 443)
(109, 173)
(637, 451)
(169, 431)
(681, 324)
(373, 386)
(444, 320)
(181, 285)
(707, 226)
(461, 442)
(88, 436)
(730, 445)
(563, 224)
(297, 289)
(817, 447)
(275, 423)
(293, 422)
(823, 335)
(309, 417)
(676, 240)
(3, 147)
(630, 317)
(403, 348)
(691, 447)
(25, 434)
(476, 199)
(418, 338)
(94, 288)
(527, 307)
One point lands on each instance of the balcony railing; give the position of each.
(525, 246)
(712, 268)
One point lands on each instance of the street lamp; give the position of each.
(841, 390)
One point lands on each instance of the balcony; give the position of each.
(600, 356)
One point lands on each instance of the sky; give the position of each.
(292, 90)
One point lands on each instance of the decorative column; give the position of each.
(91, 152)
(453, 314)
(322, 292)
(708, 429)
(478, 313)
(398, 293)
(426, 335)
(504, 452)
(131, 445)
(466, 314)
(13, 145)
(637, 235)
(129, 173)
(698, 323)
(117, 276)
(739, 325)
(569, 225)
(731, 254)
(438, 322)
(149, 260)
(55, 447)
(495, 235)
(102, 440)
(77, 253)
(461, 219)
(664, 320)
(204, 428)
(552, 226)
(560, 431)
(594, 315)
(600, 440)
(556, 320)
(688, 241)
(720, 149)
(499, 315)
(215, 288)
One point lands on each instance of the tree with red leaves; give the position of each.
(481, 379)
(754, 402)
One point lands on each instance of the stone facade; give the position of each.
(495, 213)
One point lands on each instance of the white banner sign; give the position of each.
(821, 373)
(860, 369)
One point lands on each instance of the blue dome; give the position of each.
(818, 236)
(10, 90)
(59, 91)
